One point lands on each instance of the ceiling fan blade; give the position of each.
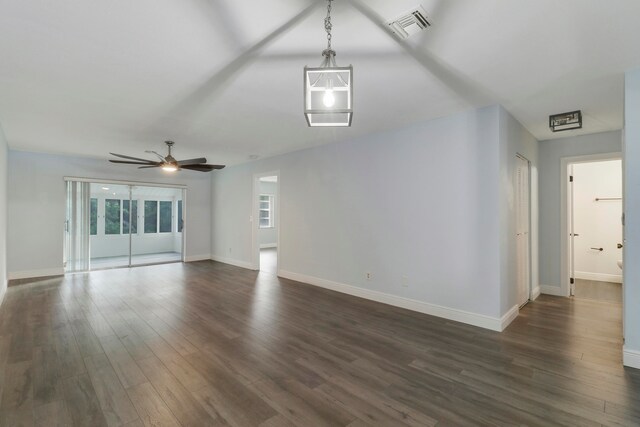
(192, 161)
(202, 168)
(147, 167)
(451, 78)
(133, 163)
(130, 158)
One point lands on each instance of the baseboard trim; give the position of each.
(535, 293)
(631, 358)
(480, 320)
(31, 274)
(234, 262)
(3, 291)
(268, 245)
(193, 258)
(509, 317)
(600, 277)
(552, 290)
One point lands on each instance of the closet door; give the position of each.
(522, 211)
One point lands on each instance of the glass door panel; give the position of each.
(109, 225)
(158, 235)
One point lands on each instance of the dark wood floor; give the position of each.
(209, 344)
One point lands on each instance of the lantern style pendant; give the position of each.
(328, 89)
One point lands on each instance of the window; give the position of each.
(180, 216)
(165, 217)
(150, 216)
(93, 218)
(266, 211)
(112, 216)
(125, 216)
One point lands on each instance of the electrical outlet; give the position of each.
(405, 282)
(368, 275)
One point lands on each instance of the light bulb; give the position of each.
(169, 168)
(328, 99)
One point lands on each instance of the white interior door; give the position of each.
(523, 211)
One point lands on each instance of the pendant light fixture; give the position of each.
(328, 89)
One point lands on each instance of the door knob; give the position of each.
(598, 249)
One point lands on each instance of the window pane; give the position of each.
(125, 216)
(179, 216)
(112, 216)
(165, 217)
(93, 219)
(264, 205)
(264, 222)
(264, 214)
(150, 216)
(264, 197)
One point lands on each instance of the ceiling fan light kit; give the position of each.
(328, 89)
(167, 163)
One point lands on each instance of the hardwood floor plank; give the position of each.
(114, 401)
(52, 414)
(17, 393)
(150, 407)
(70, 360)
(181, 403)
(125, 367)
(47, 385)
(300, 405)
(82, 403)
(88, 343)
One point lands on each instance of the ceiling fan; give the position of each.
(168, 162)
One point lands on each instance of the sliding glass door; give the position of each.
(112, 225)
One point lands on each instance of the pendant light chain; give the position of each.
(327, 25)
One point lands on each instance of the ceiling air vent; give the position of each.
(410, 23)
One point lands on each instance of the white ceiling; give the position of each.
(224, 78)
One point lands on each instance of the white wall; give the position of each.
(4, 153)
(268, 237)
(632, 219)
(37, 207)
(419, 207)
(598, 223)
(550, 156)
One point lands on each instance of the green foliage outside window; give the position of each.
(150, 216)
(93, 218)
(125, 216)
(112, 216)
(165, 217)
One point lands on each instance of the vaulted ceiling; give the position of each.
(224, 78)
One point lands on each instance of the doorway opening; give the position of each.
(595, 229)
(523, 230)
(266, 228)
(115, 224)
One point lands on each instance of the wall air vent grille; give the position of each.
(410, 23)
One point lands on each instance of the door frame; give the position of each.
(565, 210)
(254, 220)
(530, 295)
